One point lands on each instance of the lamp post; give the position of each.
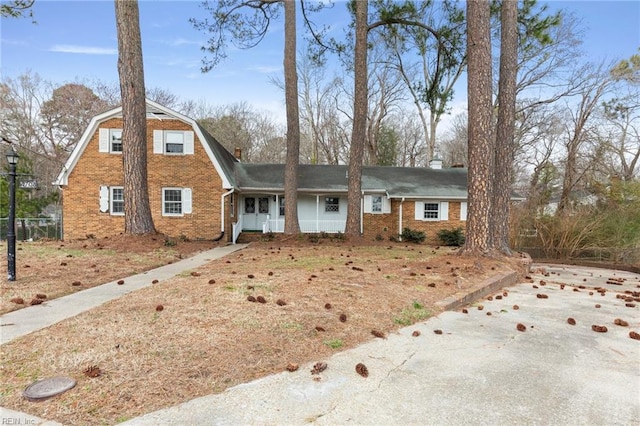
(12, 159)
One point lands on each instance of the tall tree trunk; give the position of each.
(503, 167)
(137, 212)
(291, 225)
(480, 126)
(358, 134)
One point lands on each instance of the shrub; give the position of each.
(413, 236)
(451, 237)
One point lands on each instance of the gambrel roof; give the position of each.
(221, 159)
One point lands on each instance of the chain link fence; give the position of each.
(32, 229)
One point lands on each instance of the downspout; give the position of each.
(362, 213)
(400, 218)
(225, 195)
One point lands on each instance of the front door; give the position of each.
(256, 212)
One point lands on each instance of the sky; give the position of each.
(76, 40)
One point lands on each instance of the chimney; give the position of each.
(238, 153)
(435, 164)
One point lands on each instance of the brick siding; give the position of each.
(81, 210)
(386, 225)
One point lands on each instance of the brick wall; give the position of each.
(81, 197)
(386, 225)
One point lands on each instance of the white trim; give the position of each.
(443, 211)
(111, 200)
(170, 188)
(463, 210)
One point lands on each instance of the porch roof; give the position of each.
(410, 182)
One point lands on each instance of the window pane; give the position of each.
(263, 205)
(331, 204)
(174, 142)
(117, 200)
(431, 210)
(116, 140)
(173, 201)
(281, 205)
(249, 205)
(376, 204)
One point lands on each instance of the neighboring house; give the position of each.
(197, 189)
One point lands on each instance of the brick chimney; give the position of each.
(237, 153)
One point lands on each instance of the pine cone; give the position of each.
(261, 299)
(343, 318)
(542, 296)
(437, 331)
(620, 322)
(571, 321)
(362, 370)
(379, 334)
(280, 302)
(521, 327)
(251, 298)
(599, 328)
(319, 367)
(634, 335)
(415, 333)
(92, 371)
(292, 367)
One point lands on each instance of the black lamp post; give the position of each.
(12, 158)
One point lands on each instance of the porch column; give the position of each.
(317, 213)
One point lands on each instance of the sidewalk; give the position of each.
(27, 320)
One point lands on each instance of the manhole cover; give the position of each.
(48, 387)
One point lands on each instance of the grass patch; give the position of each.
(334, 343)
(409, 316)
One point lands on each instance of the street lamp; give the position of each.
(12, 159)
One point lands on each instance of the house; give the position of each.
(199, 190)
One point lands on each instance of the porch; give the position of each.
(317, 213)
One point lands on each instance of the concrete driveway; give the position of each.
(480, 370)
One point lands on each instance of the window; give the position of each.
(117, 200)
(263, 205)
(281, 206)
(431, 210)
(172, 202)
(249, 205)
(331, 204)
(173, 142)
(115, 140)
(376, 204)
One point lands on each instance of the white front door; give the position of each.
(256, 212)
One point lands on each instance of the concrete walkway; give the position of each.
(27, 320)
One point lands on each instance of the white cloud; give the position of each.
(266, 69)
(183, 41)
(83, 50)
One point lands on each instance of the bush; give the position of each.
(451, 237)
(412, 236)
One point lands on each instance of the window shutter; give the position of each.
(463, 210)
(188, 143)
(386, 205)
(186, 201)
(444, 210)
(104, 198)
(368, 204)
(158, 142)
(419, 210)
(103, 140)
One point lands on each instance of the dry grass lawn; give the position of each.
(198, 333)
